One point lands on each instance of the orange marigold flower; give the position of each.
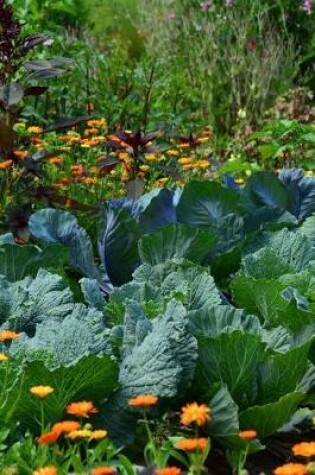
(168, 471)
(200, 414)
(20, 154)
(64, 427)
(291, 469)
(80, 434)
(41, 391)
(247, 434)
(81, 408)
(7, 335)
(3, 357)
(103, 471)
(48, 438)
(55, 160)
(192, 444)
(49, 470)
(304, 449)
(98, 434)
(6, 164)
(143, 400)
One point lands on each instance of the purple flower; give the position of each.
(205, 6)
(307, 6)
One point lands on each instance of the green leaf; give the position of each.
(92, 378)
(17, 262)
(281, 373)
(57, 226)
(293, 247)
(267, 419)
(118, 246)
(175, 241)
(230, 358)
(265, 189)
(224, 412)
(203, 204)
(273, 302)
(268, 150)
(265, 264)
(212, 321)
(11, 94)
(164, 361)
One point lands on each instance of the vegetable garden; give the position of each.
(157, 244)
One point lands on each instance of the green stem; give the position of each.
(150, 437)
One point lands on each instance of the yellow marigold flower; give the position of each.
(20, 124)
(98, 434)
(291, 469)
(185, 160)
(203, 139)
(49, 470)
(247, 434)
(200, 414)
(97, 122)
(6, 164)
(41, 391)
(64, 427)
(150, 157)
(168, 471)
(81, 409)
(103, 471)
(3, 357)
(202, 163)
(304, 449)
(144, 168)
(143, 400)
(80, 434)
(35, 130)
(192, 444)
(7, 335)
(173, 153)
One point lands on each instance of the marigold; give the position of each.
(20, 154)
(41, 391)
(185, 160)
(80, 434)
(291, 469)
(35, 130)
(192, 444)
(200, 414)
(98, 434)
(49, 470)
(7, 335)
(247, 434)
(304, 449)
(202, 163)
(6, 164)
(103, 471)
(3, 357)
(168, 471)
(64, 427)
(81, 408)
(48, 438)
(143, 400)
